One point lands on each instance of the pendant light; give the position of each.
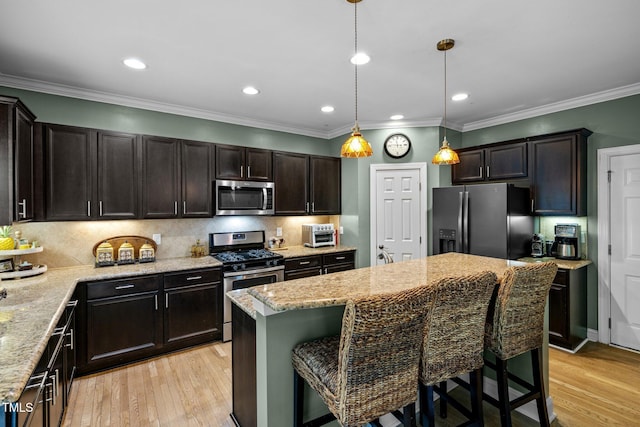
(356, 145)
(445, 156)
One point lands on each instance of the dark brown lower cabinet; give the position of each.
(129, 319)
(192, 307)
(315, 265)
(568, 308)
(243, 359)
(123, 321)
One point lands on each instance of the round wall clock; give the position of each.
(397, 145)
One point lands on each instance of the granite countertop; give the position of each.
(338, 288)
(34, 305)
(299, 250)
(562, 263)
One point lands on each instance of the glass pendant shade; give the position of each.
(445, 155)
(356, 145)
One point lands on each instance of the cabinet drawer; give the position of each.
(338, 258)
(562, 277)
(191, 277)
(304, 262)
(113, 288)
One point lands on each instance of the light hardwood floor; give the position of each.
(598, 386)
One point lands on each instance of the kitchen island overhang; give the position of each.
(291, 312)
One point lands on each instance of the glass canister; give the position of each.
(125, 253)
(104, 254)
(146, 253)
(198, 250)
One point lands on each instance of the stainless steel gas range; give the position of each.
(245, 263)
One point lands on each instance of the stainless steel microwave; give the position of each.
(244, 198)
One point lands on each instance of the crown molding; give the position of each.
(144, 104)
(128, 101)
(581, 101)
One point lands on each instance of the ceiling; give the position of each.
(515, 58)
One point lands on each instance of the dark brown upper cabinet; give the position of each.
(117, 185)
(160, 184)
(558, 167)
(197, 168)
(506, 161)
(70, 162)
(307, 185)
(242, 163)
(17, 192)
(176, 178)
(90, 174)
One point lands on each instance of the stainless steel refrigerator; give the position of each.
(491, 220)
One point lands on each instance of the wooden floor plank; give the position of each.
(598, 386)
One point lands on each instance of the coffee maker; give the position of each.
(567, 241)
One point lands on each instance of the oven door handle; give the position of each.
(248, 274)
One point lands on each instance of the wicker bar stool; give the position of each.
(371, 369)
(515, 327)
(454, 344)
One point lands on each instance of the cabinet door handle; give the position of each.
(306, 209)
(175, 207)
(23, 208)
(184, 207)
(532, 203)
(248, 171)
(488, 172)
(481, 172)
(313, 207)
(340, 258)
(326, 271)
(155, 297)
(88, 207)
(100, 207)
(305, 262)
(129, 286)
(194, 277)
(166, 300)
(241, 171)
(71, 336)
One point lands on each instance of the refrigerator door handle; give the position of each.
(465, 224)
(460, 230)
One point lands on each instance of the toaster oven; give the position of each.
(317, 235)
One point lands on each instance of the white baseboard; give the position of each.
(592, 335)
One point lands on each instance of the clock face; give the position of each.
(397, 145)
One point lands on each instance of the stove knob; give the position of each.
(243, 267)
(270, 263)
(235, 267)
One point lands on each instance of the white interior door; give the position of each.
(625, 251)
(398, 211)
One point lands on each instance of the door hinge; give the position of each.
(609, 249)
(609, 322)
(609, 176)
(420, 239)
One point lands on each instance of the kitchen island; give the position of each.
(288, 313)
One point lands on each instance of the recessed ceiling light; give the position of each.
(360, 58)
(459, 96)
(134, 63)
(327, 109)
(250, 90)
(397, 117)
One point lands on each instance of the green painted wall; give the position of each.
(98, 115)
(355, 180)
(613, 123)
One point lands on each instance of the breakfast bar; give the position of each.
(291, 312)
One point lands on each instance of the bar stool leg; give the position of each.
(427, 409)
(298, 398)
(503, 392)
(409, 415)
(538, 382)
(475, 383)
(444, 397)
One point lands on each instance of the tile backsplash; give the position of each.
(69, 244)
